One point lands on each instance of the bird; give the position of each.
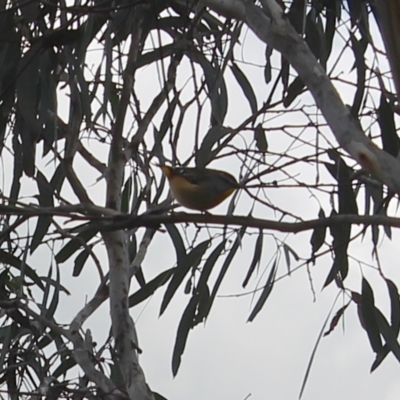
(199, 188)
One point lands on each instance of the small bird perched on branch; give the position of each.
(199, 188)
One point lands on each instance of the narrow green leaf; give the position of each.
(256, 257)
(166, 125)
(388, 334)
(146, 291)
(177, 242)
(224, 269)
(216, 86)
(342, 173)
(203, 305)
(44, 221)
(289, 251)
(341, 240)
(294, 89)
(75, 244)
(191, 260)
(46, 293)
(52, 282)
(185, 325)
(390, 139)
(359, 47)
(395, 322)
(20, 319)
(51, 309)
(369, 316)
(204, 155)
(394, 305)
(336, 318)
(126, 196)
(57, 179)
(64, 367)
(268, 66)
(9, 259)
(318, 235)
(7, 333)
(246, 87)
(314, 35)
(265, 293)
(80, 261)
(260, 138)
(332, 11)
(209, 265)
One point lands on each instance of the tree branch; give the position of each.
(222, 220)
(116, 242)
(273, 28)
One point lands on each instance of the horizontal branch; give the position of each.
(270, 24)
(150, 220)
(113, 221)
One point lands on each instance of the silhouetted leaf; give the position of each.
(287, 250)
(285, 68)
(75, 244)
(209, 265)
(256, 258)
(341, 240)
(225, 266)
(20, 319)
(185, 325)
(369, 316)
(359, 15)
(126, 196)
(9, 259)
(166, 125)
(177, 241)
(358, 48)
(336, 319)
(296, 15)
(332, 11)
(394, 305)
(216, 87)
(341, 172)
(294, 89)
(390, 139)
(6, 334)
(268, 67)
(64, 367)
(51, 309)
(57, 179)
(388, 334)
(204, 155)
(318, 235)
(80, 261)
(148, 290)
(191, 260)
(314, 35)
(27, 92)
(246, 87)
(395, 322)
(44, 221)
(260, 138)
(203, 305)
(265, 293)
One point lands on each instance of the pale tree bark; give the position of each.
(123, 330)
(269, 23)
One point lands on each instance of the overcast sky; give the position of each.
(228, 358)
